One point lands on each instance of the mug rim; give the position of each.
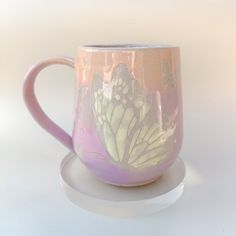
(138, 46)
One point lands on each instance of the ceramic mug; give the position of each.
(128, 115)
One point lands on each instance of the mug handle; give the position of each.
(33, 105)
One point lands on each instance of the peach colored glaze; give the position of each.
(128, 113)
(149, 66)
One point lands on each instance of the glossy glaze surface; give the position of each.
(128, 116)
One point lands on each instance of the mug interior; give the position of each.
(126, 46)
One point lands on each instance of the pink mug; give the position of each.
(128, 117)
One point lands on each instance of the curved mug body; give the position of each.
(128, 114)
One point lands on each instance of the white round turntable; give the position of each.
(85, 190)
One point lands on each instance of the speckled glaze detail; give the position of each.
(128, 110)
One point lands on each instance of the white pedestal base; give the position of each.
(85, 190)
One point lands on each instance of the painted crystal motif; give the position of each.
(129, 120)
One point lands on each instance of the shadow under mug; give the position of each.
(128, 116)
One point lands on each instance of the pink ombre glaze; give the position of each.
(32, 103)
(85, 134)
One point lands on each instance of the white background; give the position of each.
(31, 201)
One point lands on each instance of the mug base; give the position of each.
(130, 185)
(89, 193)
